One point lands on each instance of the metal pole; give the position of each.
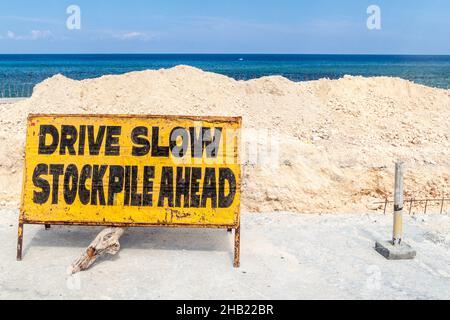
(19, 241)
(398, 205)
(237, 247)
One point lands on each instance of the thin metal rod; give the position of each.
(415, 200)
(237, 247)
(397, 233)
(19, 241)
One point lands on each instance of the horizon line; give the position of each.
(237, 53)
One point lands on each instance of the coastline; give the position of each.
(423, 69)
(11, 100)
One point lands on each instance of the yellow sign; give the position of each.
(132, 171)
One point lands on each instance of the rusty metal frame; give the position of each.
(440, 202)
(142, 116)
(47, 224)
(236, 226)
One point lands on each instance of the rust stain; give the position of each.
(90, 252)
(178, 214)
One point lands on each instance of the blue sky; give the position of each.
(228, 26)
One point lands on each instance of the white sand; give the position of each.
(283, 256)
(339, 138)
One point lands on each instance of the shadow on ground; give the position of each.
(136, 238)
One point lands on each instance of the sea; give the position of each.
(19, 73)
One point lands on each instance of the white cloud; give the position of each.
(10, 35)
(30, 19)
(135, 35)
(32, 35)
(38, 34)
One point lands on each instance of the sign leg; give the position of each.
(19, 241)
(237, 247)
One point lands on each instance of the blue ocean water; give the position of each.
(19, 73)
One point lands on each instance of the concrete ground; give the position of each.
(283, 256)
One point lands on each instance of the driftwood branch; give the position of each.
(106, 241)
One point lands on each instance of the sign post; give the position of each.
(396, 249)
(132, 171)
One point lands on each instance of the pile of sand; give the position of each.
(339, 138)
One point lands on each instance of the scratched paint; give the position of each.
(117, 169)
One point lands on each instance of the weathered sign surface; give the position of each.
(132, 171)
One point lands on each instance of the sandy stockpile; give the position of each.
(338, 138)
